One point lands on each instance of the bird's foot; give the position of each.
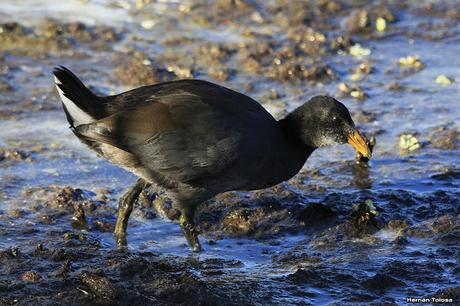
(120, 231)
(121, 240)
(125, 207)
(195, 246)
(191, 235)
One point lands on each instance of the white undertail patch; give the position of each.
(77, 114)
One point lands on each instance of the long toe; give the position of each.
(192, 238)
(121, 240)
(195, 246)
(191, 235)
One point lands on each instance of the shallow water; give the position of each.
(282, 250)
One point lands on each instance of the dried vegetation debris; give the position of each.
(365, 20)
(14, 155)
(136, 69)
(260, 217)
(52, 37)
(445, 137)
(281, 60)
(119, 278)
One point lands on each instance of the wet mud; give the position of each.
(345, 230)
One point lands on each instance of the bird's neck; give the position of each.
(292, 127)
(295, 154)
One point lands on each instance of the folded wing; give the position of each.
(184, 136)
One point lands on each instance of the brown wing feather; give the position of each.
(190, 133)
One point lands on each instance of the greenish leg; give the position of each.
(188, 228)
(125, 207)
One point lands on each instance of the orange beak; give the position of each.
(360, 145)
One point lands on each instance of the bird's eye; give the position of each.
(335, 119)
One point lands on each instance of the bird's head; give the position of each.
(324, 121)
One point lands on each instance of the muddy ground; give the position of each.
(340, 232)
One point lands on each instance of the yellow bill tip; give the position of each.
(357, 141)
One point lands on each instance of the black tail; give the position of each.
(80, 104)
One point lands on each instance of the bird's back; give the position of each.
(182, 134)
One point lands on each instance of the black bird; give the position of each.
(196, 139)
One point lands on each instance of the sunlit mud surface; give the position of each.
(339, 232)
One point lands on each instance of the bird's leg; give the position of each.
(188, 228)
(125, 207)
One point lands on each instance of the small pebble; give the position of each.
(443, 80)
(408, 142)
(358, 51)
(380, 24)
(30, 277)
(411, 61)
(148, 24)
